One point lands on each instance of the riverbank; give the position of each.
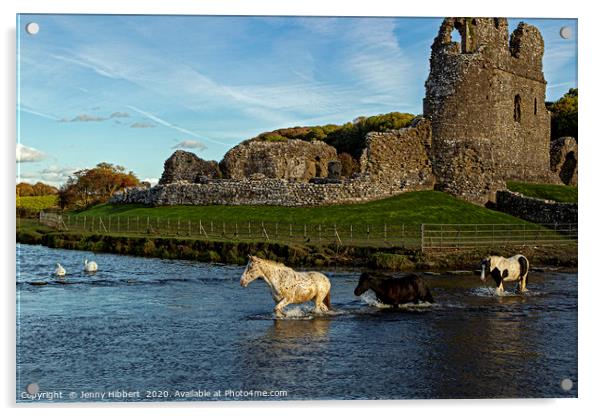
(235, 252)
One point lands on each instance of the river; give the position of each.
(159, 330)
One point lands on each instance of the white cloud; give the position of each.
(190, 144)
(28, 154)
(54, 175)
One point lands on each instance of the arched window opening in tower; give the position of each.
(517, 108)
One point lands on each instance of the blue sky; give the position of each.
(130, 90)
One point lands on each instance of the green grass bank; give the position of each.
(408, 208)
(558, 193)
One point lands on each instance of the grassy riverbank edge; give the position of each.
(235, 252)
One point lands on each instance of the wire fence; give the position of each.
(442, 237)
(427, 237)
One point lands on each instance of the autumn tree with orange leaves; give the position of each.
(92, 186)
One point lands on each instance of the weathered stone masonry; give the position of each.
(392, 163)
(293, 159)
(536, 210)
(261, 192)
(486, 100)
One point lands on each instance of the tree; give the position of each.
(564, 115)
(24, 189)
(96, 185)
(39, 189)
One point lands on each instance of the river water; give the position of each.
(152, 329)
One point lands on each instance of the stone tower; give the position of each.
(485, 97)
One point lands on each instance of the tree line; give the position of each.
(564, 114)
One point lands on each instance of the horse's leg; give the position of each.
(279, 308)
(319, 301)
(500, 289)
(523, 284)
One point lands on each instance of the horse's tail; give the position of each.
(327, 300)
(524, 266)
(429, 296)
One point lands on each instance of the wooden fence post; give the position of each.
(403, 234)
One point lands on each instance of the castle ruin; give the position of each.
(485, 97)
(485, 122)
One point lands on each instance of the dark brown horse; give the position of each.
(395, 291)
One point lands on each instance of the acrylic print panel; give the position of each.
(286, 208)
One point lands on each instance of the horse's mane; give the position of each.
(273, 263)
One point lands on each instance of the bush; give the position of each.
(347, 138)
(30, 206)
(389, 261)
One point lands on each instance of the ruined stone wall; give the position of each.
(564, 160)
(486, 100)
(400, 157)
(186, 166)
(292, 159)
(536, 210)
(261, 192)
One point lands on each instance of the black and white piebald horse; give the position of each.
(503, 270)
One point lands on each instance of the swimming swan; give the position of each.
(90, 266)
(59, 271)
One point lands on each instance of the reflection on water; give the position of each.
(151, 324)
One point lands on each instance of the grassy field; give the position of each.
(37, 203)
(408, 208)
(560, 193)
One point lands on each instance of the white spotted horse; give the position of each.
(501, 269)
(287, 285)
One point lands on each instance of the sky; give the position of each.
(130, 90)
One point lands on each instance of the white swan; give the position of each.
(59, 271)
(90, 266)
